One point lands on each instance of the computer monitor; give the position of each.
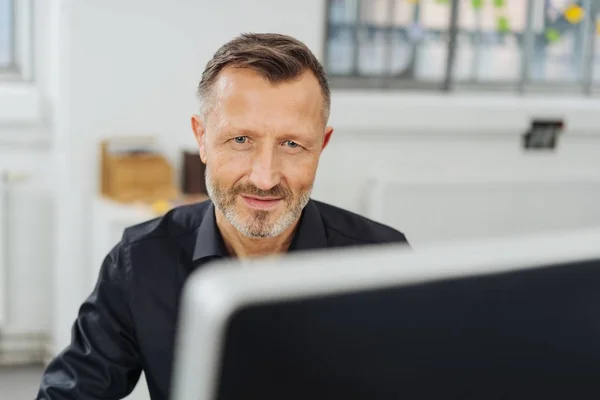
(507, 319)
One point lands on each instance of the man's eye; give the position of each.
(241, 139)
(291, 144)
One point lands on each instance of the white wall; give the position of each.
(127, 67)
(355, 156)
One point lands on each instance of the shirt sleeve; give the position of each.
(103, 359)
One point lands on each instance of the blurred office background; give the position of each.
(431, 104)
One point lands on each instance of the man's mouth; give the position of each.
(261, 203)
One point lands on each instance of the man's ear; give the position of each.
(327, 136)
(199, 131)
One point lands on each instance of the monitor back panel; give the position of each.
(531, 334)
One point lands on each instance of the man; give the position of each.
(264, 106)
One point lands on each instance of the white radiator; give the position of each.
(438, 208)
(6, 177)
(3, 246)
(25, 272)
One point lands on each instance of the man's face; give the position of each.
(261, 144)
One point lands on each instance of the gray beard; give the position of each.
(258, 225)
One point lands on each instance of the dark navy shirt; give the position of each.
(127, 325)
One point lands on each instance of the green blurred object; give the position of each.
(499, 3)
(441, 1)
(552, 35)
(503, 24)
(477, 4)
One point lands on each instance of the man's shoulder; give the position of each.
(352, 228)
(177, 222)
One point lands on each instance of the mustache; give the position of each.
(248, 188)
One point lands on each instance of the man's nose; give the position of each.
(265, 173)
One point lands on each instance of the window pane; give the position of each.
(373, 37)
(596, 31)
(385, 45)
(342, 11)
(405, 37)
(6, 33)
(404, 12)
(490, 40)
(432, 51)
(340, 50)
(558, 42)
(340, 41)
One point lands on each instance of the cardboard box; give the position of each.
(133, 170)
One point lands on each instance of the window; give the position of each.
(595, 43)
(444, 44)
(381, 42)
(6, 34)
(15, 40)
(490, 41)
(20, 96)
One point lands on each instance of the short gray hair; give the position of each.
(276, 57)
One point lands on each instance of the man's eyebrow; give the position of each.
(238, 129)
(304, 136)
(290, 135)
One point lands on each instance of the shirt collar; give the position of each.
(310, 234)
(209, 242)
(311, 231)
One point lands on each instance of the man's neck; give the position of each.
(242, 246)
